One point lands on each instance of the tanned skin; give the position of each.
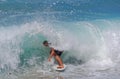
(53, 54)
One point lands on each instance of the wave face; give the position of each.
(85, 40)
(87, 31)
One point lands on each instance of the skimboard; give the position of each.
(59, 69)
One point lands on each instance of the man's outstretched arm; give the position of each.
(51, 55)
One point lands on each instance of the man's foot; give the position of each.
(60, 67)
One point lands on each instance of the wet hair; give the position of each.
(44, 42)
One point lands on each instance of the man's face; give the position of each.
(46, 44)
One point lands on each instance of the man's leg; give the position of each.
(59, 60)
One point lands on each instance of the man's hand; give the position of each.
(49, 59)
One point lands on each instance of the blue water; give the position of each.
(59, 9)
(87, 30)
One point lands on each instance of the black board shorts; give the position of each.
(59, 53)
